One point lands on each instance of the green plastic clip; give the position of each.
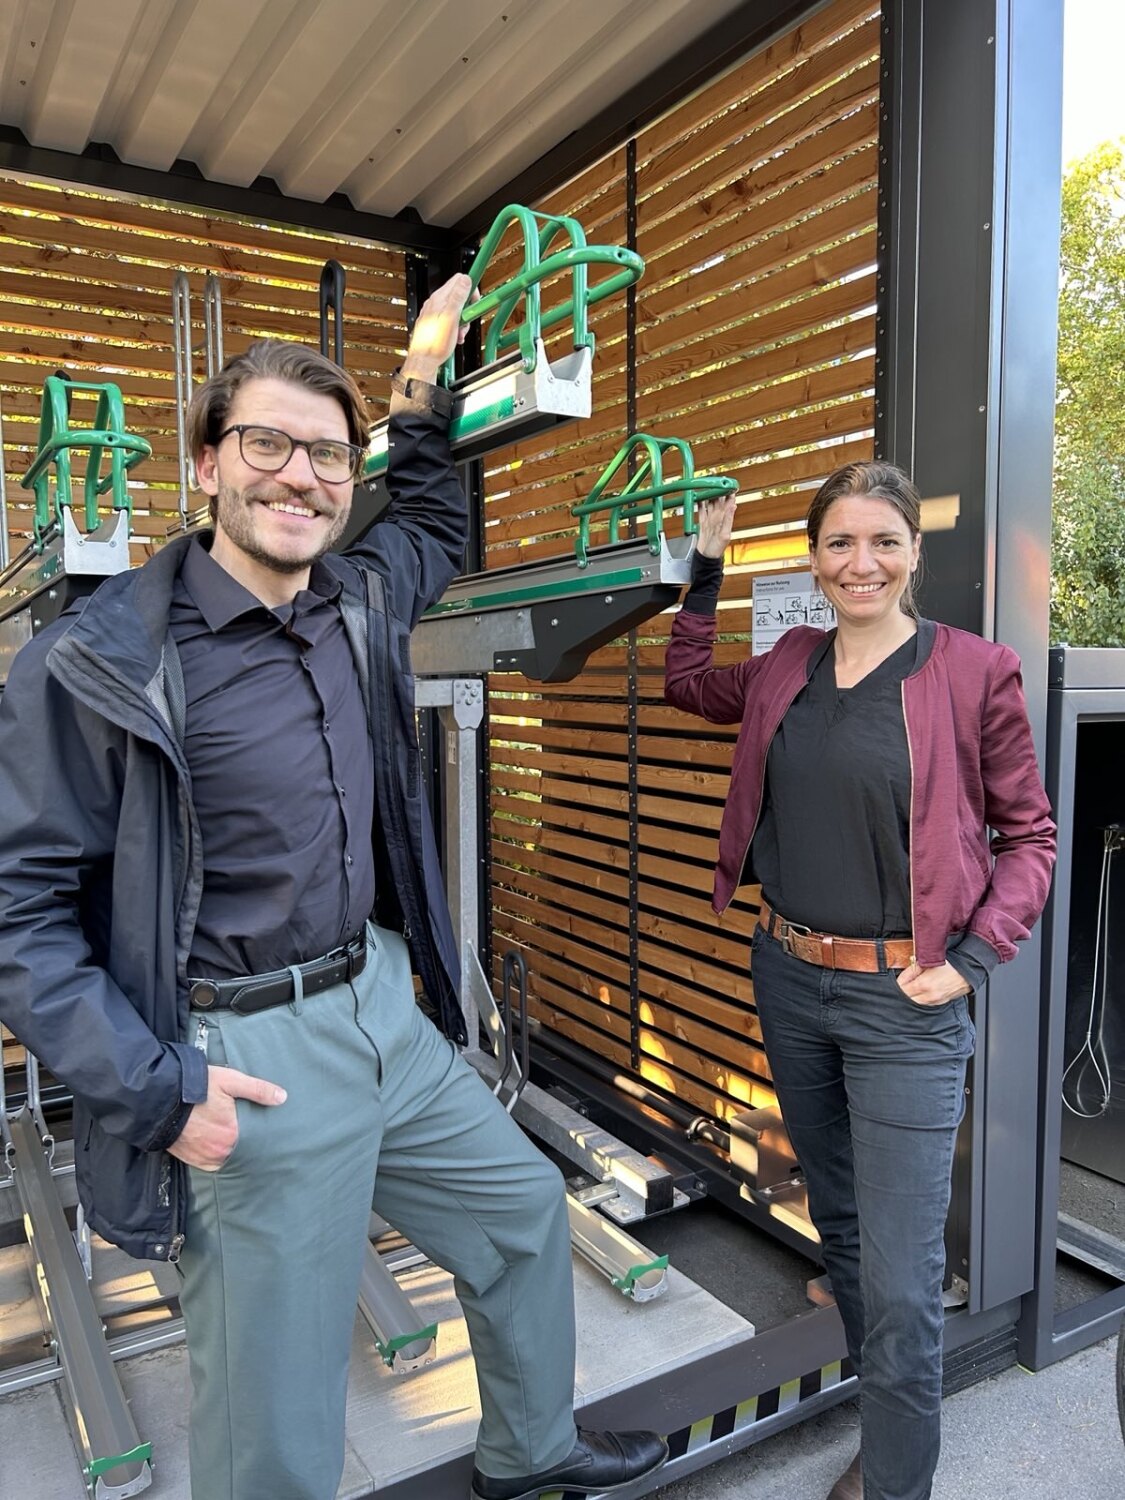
(142, 1453)
(389, 1349)
(627, 1282)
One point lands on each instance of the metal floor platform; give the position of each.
(398, 1427)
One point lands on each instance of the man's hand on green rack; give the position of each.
(437, 329)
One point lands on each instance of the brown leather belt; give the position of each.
(860, 955)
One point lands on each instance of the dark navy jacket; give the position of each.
(100, 862)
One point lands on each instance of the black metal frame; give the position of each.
(1086, 686)
(99, 166)
(967, 282)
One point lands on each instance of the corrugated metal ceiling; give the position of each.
(430, 104)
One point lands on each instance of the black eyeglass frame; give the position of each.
(244, 427)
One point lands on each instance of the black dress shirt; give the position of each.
(279, 750)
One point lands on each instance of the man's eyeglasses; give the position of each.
(268, 449)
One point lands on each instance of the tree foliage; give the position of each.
(1088, 563)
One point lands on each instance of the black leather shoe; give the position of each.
(599, 1461)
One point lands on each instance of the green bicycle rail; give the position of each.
(646, 492)
(540, 231)
(58, 439)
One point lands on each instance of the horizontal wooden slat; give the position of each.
(755, 336)
(781, 56)
(177, 223)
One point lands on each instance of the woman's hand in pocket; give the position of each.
(932, 986)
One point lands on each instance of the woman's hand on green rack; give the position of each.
(437, 329)
(716, 523)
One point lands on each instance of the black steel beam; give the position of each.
(753, 24)
(99, 166)
(968, 282)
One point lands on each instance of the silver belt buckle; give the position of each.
(787, 929)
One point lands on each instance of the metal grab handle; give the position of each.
(56, 440)
(181, 354)
(500, 303)
(513, 976)
(333, 282)
(647, 492)
(212, 325)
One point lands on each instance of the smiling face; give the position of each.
(270, 528)
(863, 558)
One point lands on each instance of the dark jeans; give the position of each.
(872, 1089)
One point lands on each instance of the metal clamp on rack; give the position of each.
(518, 391)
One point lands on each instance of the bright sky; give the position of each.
(1093, 100)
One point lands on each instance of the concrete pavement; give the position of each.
(1017, 1436)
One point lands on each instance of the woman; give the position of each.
(871, 762)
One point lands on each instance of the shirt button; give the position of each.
(348, 859)
(342, 790)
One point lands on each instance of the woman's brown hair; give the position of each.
(878, 481)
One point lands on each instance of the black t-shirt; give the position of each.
(832, 848)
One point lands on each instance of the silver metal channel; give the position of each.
(115, 1462)
(502, 404)
(401, 1338)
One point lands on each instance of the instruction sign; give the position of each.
(782, 600)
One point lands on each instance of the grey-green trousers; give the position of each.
(381, 1111)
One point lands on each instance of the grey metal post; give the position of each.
(965, 401)
(460, 705)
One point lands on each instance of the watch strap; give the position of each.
(436, 397)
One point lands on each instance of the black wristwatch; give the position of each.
(424, 392)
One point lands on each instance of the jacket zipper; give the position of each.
(395, 792)
(910, 824)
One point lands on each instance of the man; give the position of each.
(210, 785)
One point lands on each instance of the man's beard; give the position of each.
(235, 514)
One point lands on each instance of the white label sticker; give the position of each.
(782, 600)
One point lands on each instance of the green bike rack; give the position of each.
(58, 440)
(540, 231)
(518, 391)
(544, 618)
(646, 492)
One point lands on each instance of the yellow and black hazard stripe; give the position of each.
(737, 1419)
(734, 1419)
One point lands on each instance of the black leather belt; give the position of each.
(255, 992)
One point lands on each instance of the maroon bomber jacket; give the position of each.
(972, 761)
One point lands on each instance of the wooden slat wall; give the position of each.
(756, 205)
(86, 284)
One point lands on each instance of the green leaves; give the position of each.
(1088, 544)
